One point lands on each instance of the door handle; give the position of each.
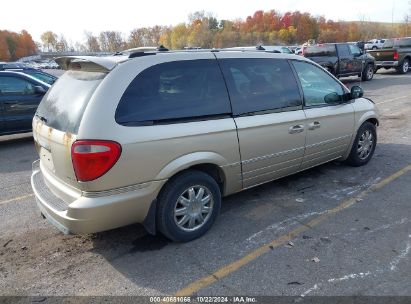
(296, 129)
(314, 125)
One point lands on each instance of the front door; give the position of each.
(20, 101)
(267, 109)
(349, 65)
(330, 122)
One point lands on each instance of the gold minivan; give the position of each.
(159, 137)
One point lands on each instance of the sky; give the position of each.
(72, 17)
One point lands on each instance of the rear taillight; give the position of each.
(93, 158)
(395, 55)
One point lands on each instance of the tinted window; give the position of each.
(43, 77)
(318, 87)
(260, 84)
(15, 86)
(286, 50)
(320, 50)
(405, 43)
(174, 90)
(64, 104)
(355, 50)
(343, 50)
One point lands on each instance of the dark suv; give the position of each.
(342, 59)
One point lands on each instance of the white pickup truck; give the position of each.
(374, 44)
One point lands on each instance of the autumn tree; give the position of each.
(62, 44)
(49, 40)
(92, 44)
(16, 45)
(178, 36)
(111, 41)
(146, 36)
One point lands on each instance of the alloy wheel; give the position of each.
(193, 208)
(365, 144)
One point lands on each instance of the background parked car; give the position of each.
(13, 65)
(26, 69)
(40, 75)
(20, 95)
(277, 48)
(374, 44)
(342, 59)
(395, 53)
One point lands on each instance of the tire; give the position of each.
(374, 47)
(404, 67)
(368, 72)
(358, 158)
(181, 193)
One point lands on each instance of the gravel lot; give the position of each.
(331, 230)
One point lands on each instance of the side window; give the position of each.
(318, 87)
(15, 86)
(355, 50)
(174, 90)
(260, 85)
(343, 50)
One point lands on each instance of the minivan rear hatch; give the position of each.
(57, 120)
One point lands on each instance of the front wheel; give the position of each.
(364, 145)
(188, 206)
(368, 73)
(403, 68)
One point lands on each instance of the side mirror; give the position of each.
(356, 92)
(39, 90)
(332, 98)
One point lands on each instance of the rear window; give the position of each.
(64, 104)
(388, 44)
(320, 50)
(405, 43)
(178, 90)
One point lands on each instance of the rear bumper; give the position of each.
(96, 211)
(380, 64)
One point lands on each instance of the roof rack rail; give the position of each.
(143, 51)
(162, 48)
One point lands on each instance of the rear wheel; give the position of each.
(364, 145)
(188, 206)
(374, 47)
(368, 72)
(403, 68)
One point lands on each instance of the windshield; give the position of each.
(63, 106)
(47, 78)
